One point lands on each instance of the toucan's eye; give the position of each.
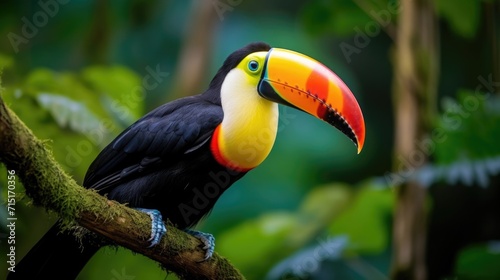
(253, 65)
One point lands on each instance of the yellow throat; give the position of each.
(248, 130)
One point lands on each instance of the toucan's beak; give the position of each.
(296, 80)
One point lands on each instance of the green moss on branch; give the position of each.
(50, 187)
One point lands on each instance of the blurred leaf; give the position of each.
(321, 206)
(361, 217)
(322, 200)
(255, 245)
(122, 264)
(346, 18)
(275, 235)
(71, 149)
(463, 171)
(462, 16)
(316, 17)
(5, 61)
(120, 84)
(464, 143)
(469, 127)
(78, 120)
(479, 262)
(68, 113)
(366, 221)
(300, 264)
(338, 17)
(118, 88)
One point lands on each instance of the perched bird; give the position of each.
(175, 162)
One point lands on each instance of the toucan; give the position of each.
(176, 161)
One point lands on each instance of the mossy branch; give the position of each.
(50, 187)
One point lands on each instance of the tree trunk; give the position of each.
(414, 91)
(196, 50)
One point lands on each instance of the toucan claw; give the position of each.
(207, 239)
(158, 228)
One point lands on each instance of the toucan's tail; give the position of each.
(57, 255)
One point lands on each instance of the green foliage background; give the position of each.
(78, 82)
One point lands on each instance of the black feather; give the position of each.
(163, 161)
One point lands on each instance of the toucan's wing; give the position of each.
(162, 136)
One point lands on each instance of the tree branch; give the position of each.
(50, 187)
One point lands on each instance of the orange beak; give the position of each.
(298, 81)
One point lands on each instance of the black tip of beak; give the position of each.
(335, 119)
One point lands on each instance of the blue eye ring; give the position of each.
(253, 65)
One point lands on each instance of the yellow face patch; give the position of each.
(248, 130)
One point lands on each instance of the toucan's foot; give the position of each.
(158, 228)
(207, 239)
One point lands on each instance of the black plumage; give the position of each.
(163, 161)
